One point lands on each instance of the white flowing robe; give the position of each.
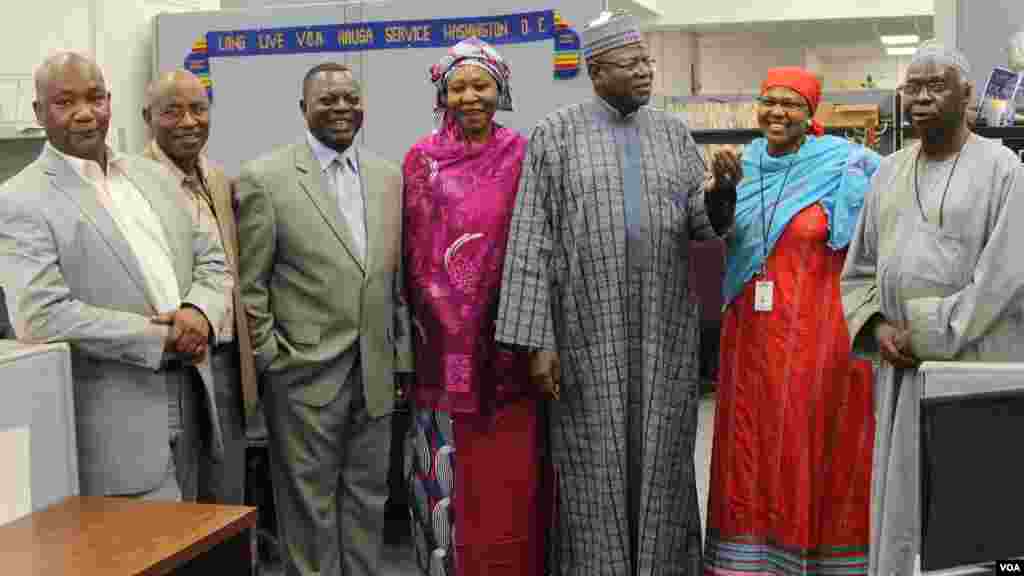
(958, 287)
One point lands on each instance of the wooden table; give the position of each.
(118, 536)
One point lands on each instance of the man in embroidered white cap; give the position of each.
(596, 286)
(930, 276)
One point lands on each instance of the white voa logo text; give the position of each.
(1011, 567)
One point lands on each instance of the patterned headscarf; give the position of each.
(471, 52)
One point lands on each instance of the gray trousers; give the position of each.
(329, 468)
(222, 481)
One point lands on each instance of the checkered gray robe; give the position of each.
(596, 268)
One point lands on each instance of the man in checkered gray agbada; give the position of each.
(595, 285)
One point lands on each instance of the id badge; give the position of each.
(764, 294)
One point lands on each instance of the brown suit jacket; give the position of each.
(221, 191)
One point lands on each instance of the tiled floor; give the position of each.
(702, 453)
(399, 561)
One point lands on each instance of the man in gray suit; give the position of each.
(319, 228)
(99, 250)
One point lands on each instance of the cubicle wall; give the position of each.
(38, 406)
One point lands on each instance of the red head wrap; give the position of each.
(803, 83)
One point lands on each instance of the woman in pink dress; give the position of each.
(476, 413)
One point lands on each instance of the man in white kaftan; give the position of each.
(931, 275)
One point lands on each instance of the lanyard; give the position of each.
(765, 227)
(942, 200)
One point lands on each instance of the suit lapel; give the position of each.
(83, 195)
(312, 182)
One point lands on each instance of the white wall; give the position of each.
(40, 27)
(945, 21)
(117, 32)
(736, 63)
(849, 73)
(129, 23)
(683, 13)
(677, 56)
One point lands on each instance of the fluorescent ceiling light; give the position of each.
(900, 39)
(901, 50)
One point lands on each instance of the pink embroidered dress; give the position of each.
(476, 414)
(458, 202)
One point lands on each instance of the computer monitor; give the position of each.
(972, 465)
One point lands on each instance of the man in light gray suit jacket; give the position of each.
(319, 228)
(100, 251)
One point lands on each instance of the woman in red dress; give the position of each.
(791, 463)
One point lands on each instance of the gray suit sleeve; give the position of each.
(256, 241)
(42, 307)
(211, 275)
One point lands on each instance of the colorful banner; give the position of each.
(567, 50)
(359, 36)
(397, 34)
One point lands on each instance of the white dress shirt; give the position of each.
(138, 222)
(342, 174)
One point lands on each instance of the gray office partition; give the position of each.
(36, 387)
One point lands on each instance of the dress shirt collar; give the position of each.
(90, 170)
(179, 174)
(325, 155)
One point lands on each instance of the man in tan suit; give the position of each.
(319, 237)
(177, 112)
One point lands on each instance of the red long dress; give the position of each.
(791, 463)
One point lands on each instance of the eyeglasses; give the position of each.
(915, 88)
(632, 64)
(787, 105)
(176, 113)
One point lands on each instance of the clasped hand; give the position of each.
(189, 334)
(894, 345)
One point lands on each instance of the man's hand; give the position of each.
(404, 382)
(894, 345)
(726, 169)
(546, 372)
(189, 334)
